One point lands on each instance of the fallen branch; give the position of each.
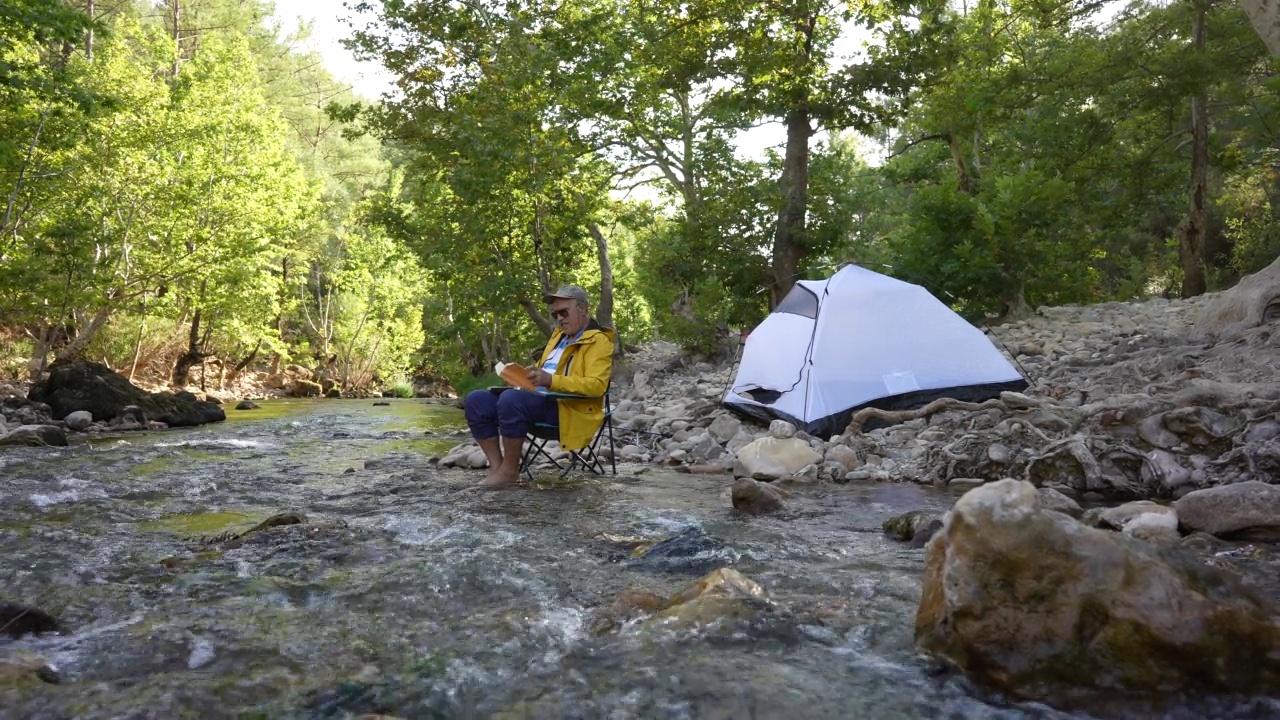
(860, 418)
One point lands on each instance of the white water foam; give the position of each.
(201, 654)
(219, 442)
(70, 490)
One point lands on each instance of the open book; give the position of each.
(515, 375)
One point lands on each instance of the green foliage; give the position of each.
(465, 383)
(401, 388)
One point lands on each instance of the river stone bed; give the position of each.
(404, 592)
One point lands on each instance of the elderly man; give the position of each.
(577, 360)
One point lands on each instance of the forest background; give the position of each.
(185, 189)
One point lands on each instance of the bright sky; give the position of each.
(370, 80)
(367, 79)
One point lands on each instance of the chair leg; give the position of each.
(613, 450)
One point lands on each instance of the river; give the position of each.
(407, 593)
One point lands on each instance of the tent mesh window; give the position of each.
(800, 301)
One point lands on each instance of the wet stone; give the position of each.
(17, 620)
(691, 551)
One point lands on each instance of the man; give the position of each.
(577, 360)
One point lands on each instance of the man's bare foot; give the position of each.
(499, 479)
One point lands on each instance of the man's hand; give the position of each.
(540, 377)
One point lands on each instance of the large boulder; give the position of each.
(95, 388)
(1233, 508)
(770, 458)
(1039, 605)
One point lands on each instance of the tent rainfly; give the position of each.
(861, 339)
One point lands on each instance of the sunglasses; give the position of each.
(560, 314)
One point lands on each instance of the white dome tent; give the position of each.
(861, 339)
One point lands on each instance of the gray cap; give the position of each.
(567, 292)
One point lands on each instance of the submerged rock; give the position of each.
(246, 405)
(908, 526)
(628, 605)
(691, 551)
(19, 668)
(1038, 605)
(755, 498)
(721, 594)
(17, 620)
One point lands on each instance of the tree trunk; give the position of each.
(963, 179)
(604, 308)
(789, 238)
(137, 342)
(240, 366)
(193, 355)
(176, 18)
(531, 308)
(84, 335)
(88, 34)
(1193, 231)
(43, 338)
(1264, 15)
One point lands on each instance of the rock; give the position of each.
(246, 405)
(1037, 605)
(131, 415)
(722, 594)
(704, 448)
(690, 551)
(1051, 499)
(723, 428)
(628, 605)
(306, 388)
(333, 393)
(906, 526)
(17, 620)
(458, 455)
(21, 411)
(704, 469)
(20, 668)
(93, 387)
(79, 420)
(382, 403)
(844, 456)
(781, 429)
(1161, 469)
(770, 458)
(755, 498)
(476, 459)
(999, 453)
(1200, 426)
(1154, 527)
(1228, 509)
(36, 436)
(1116, 518)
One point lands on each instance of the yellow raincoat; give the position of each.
(584, 369)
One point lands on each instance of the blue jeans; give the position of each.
(511, 413)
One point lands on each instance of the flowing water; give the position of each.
(407, 593)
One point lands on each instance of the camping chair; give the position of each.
(588, 457)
